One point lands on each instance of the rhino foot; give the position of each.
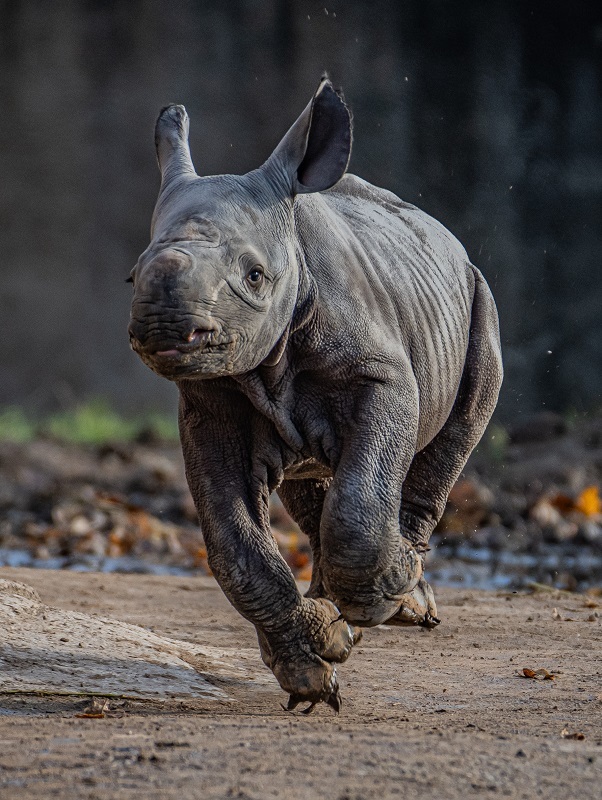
(333, 699)
(417, 608)
(304, 663)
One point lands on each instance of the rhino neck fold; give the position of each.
(307, 299)
(272, 399)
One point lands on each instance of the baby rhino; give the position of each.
(329, 342)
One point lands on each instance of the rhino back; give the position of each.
(396, 281)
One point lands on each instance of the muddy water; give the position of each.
(464, 565)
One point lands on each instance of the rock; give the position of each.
(49, 649)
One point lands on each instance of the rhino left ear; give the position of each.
(315, 152)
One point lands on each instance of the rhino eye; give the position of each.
(255, 277)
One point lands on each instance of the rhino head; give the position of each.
(215, 291)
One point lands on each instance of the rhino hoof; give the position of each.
(334, 700)
(329, 693)
(417, 608)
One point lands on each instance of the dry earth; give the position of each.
(441, 714)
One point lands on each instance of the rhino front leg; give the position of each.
(300, 638)
(367, 565)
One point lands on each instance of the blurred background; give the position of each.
(486, 115)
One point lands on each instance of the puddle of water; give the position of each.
(484, 568)
(89, 563)
(460, 566)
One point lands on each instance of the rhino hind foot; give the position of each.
(417, 608)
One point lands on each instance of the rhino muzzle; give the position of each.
(175, 349)
(163, 340)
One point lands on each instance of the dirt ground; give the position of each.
(440, 714)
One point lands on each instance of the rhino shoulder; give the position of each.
(380, 218)
(354, 187)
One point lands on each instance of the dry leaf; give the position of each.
(589, 502)
(556, 614)
(538, 674)
(562, 502)
(528, 673)
(305, 573)
(96, 710)
(566, 734)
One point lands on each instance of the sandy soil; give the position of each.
(441, 714)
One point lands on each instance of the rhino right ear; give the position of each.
(315, 152)
(171, 141)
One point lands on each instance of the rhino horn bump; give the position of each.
(171, 142)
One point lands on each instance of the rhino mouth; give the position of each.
(181, 360)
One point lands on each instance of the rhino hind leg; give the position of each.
(304, 500)
(435, 469)
(417, 607)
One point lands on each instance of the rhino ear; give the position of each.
(171, 141)
(315, 152)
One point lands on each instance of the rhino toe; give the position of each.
(417, 608)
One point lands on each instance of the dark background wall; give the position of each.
(486, 114)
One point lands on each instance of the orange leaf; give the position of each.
(305, 573)
(90, 716)
(528, 673)
(538, 674)
(298, 559)
(589, 502)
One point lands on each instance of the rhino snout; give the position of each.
(168, 340)
(159, 339)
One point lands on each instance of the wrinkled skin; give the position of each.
(329, 342)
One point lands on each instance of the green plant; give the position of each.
(163, 426)
(496, 440)
(15, 426)
(93, 422)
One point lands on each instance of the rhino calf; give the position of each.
(329, 342)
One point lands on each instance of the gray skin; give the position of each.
(329, 342)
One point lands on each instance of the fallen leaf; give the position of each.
(562, 502)
(96, 710)
(589, 502)
(538, 674)
(528, 673)
(566, 734)
(556, 614)
(305, 573)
